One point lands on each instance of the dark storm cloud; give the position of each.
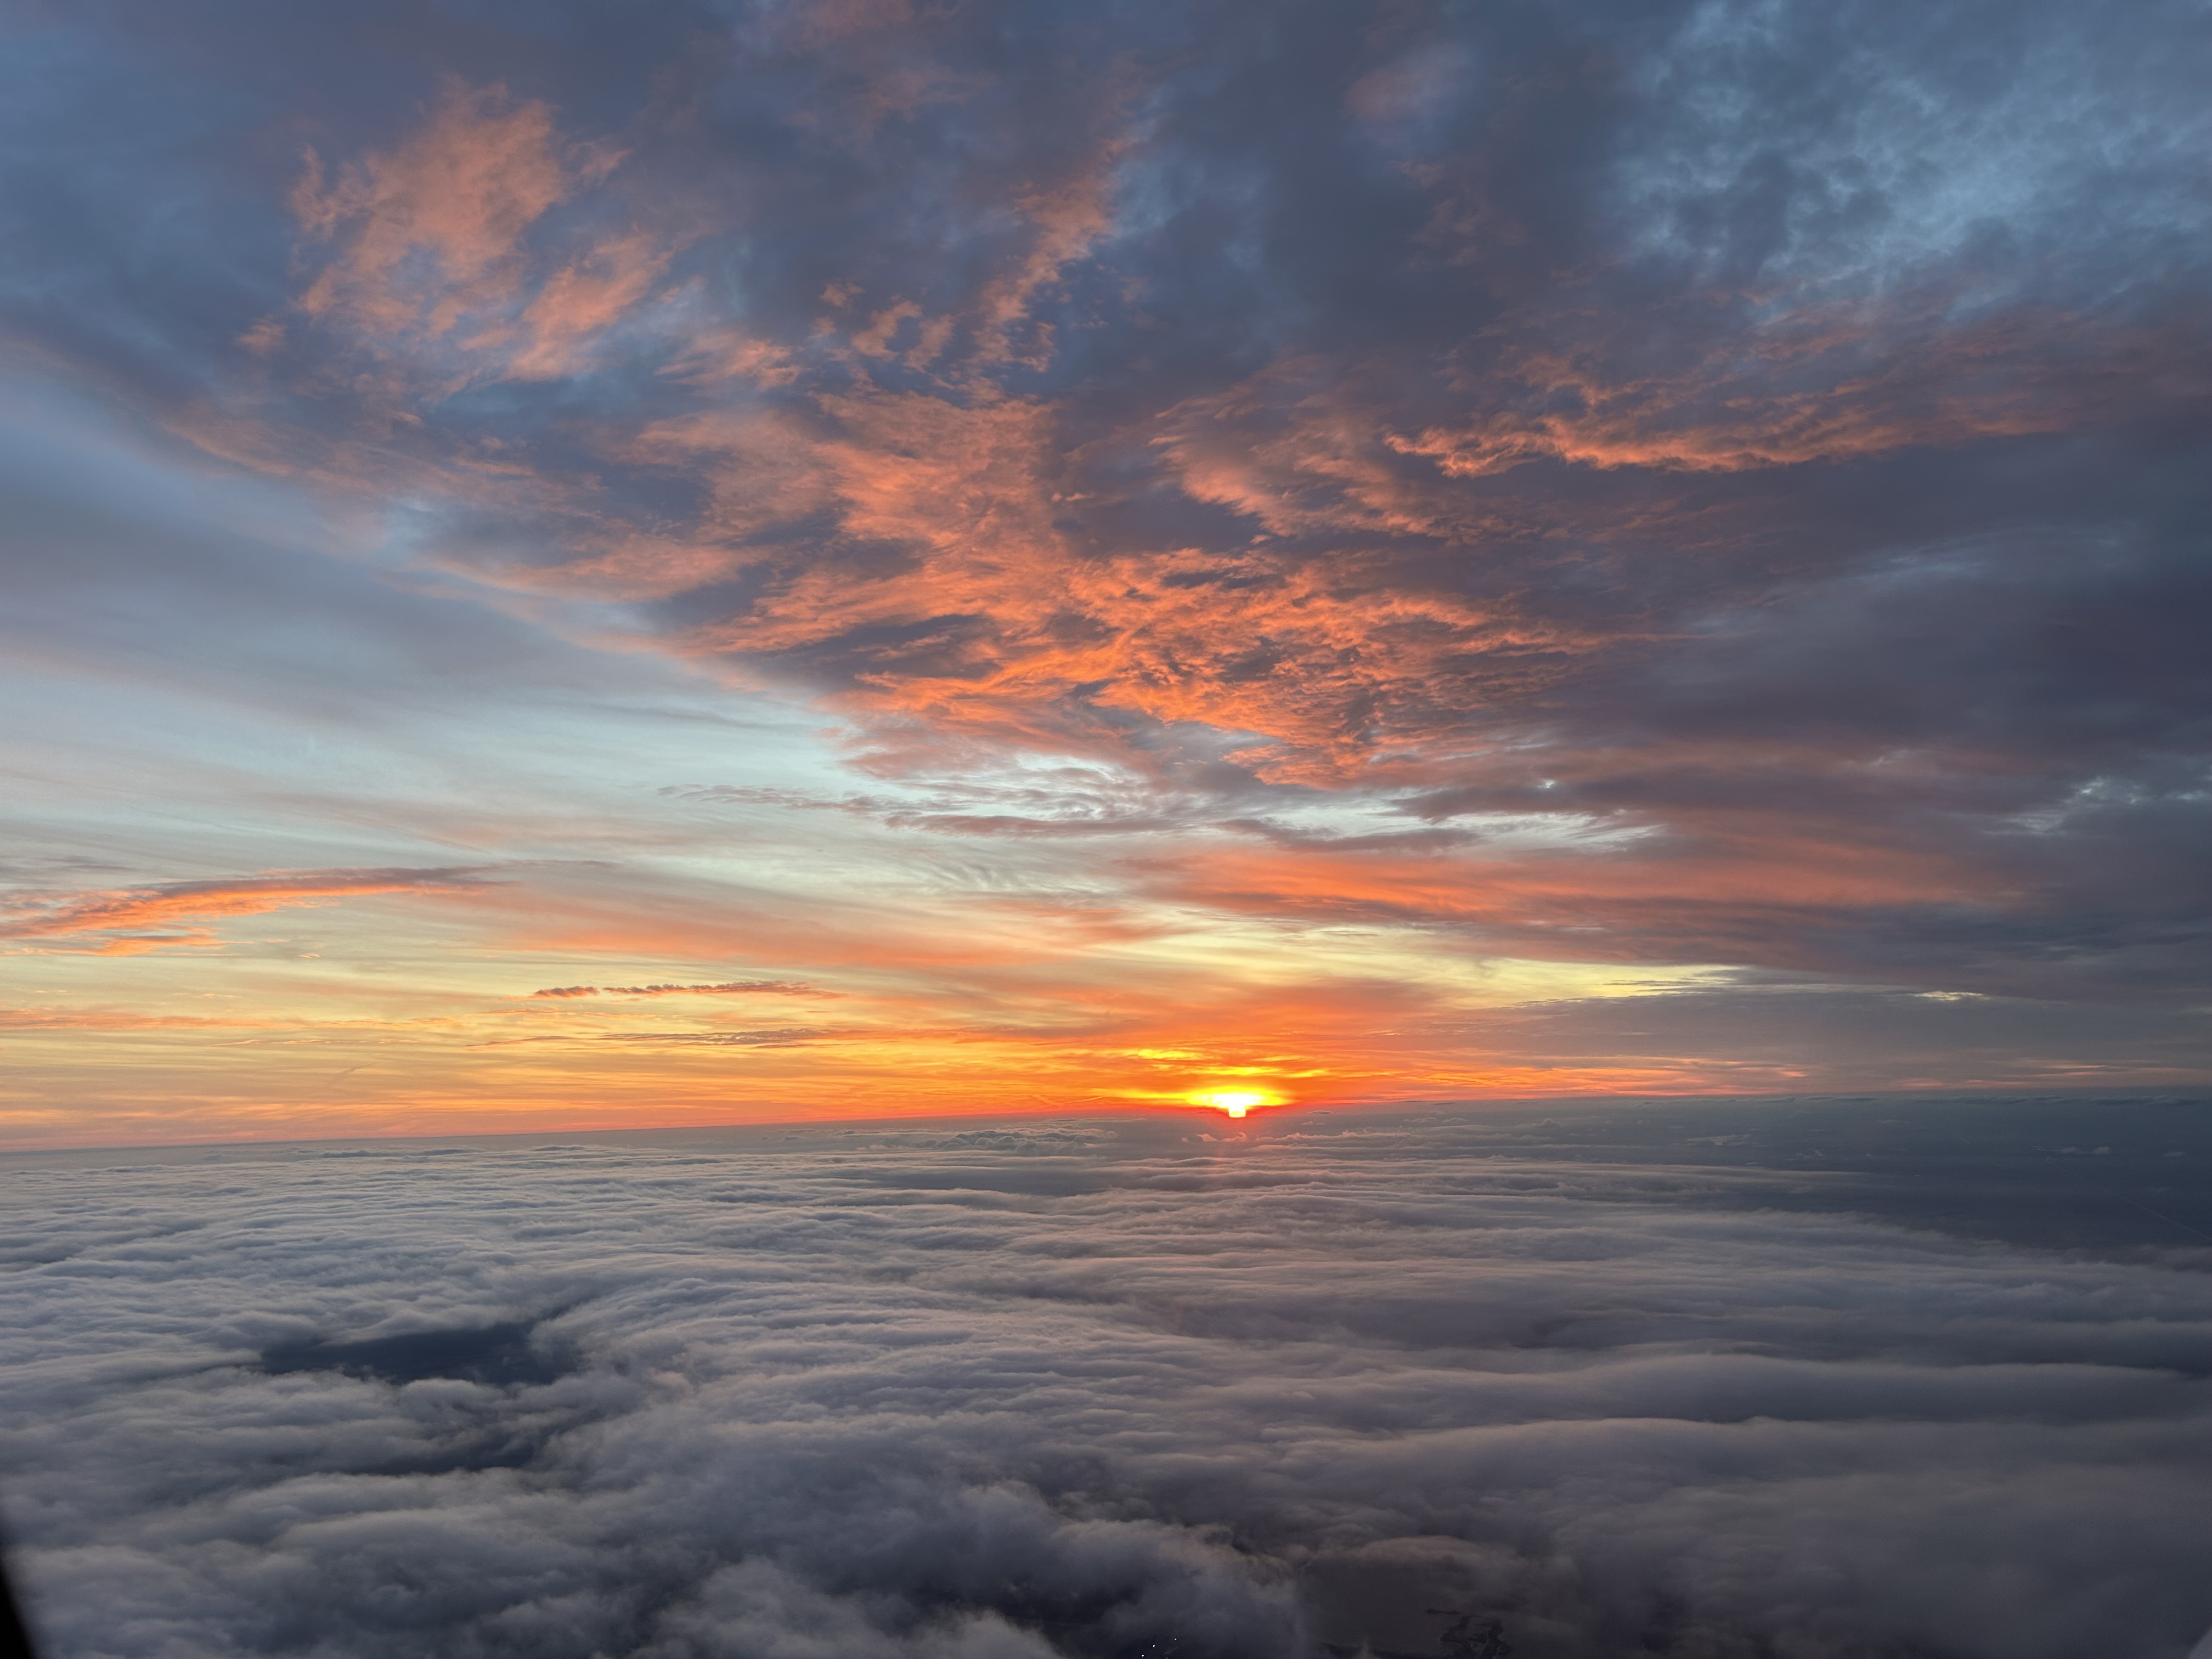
(1020, 1389)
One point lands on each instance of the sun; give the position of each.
(1235, 1102)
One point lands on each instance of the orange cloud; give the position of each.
(952, 605)
(764, 467)
(1821, 383)
(433, 234)
(875, 340)
(735, 988)
(994, 624)
(123, 917)
(115, 1019)
(1716, 890)
(719, 354)
(463, 191)
(1069, 217)
(582, 300)
(1304, 448)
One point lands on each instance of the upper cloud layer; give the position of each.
(1727, 474)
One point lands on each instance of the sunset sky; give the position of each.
(593, 564)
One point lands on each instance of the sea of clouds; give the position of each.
(1117, 1387)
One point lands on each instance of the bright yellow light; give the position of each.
(1235, 1102)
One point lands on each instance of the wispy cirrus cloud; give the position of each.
(783, 987)
(128, 921)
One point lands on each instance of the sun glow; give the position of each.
(1235, 1102)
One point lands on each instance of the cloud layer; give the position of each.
(1639, 1380)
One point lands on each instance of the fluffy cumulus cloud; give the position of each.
(1712, 1382)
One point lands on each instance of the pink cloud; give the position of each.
(436, 232)
(1070, 216)
(1819, 383)
(118, 921)
(786, 988)
(582, 300)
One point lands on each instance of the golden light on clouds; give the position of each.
(932, 599)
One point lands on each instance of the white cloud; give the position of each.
(1000, 1392)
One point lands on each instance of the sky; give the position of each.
(1713, 1380)
(576, 564)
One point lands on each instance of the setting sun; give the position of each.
(1235, 1102)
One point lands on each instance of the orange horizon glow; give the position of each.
(224, 1008)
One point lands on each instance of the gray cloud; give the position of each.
(1646, 1379)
